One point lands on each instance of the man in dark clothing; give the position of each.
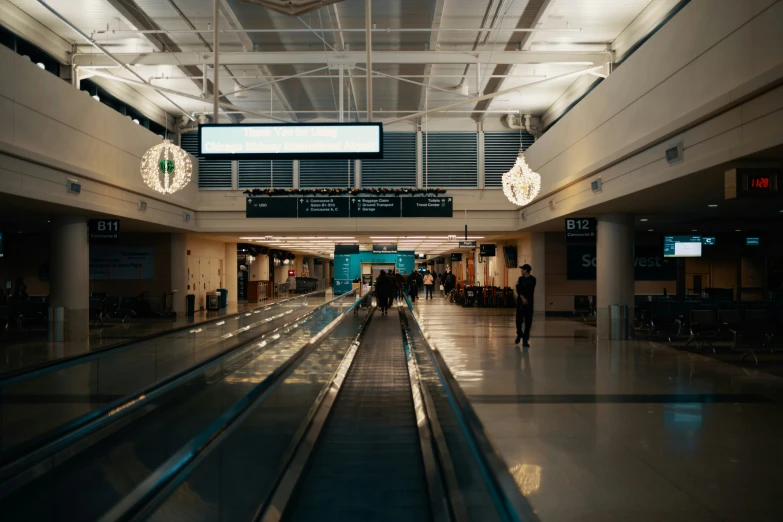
(526, 288)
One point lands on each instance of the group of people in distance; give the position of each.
(391, 285)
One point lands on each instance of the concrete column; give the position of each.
(614, 258)
(538, 263)
(69, 284)
(230, 277)
(318, 272)
(179, 272)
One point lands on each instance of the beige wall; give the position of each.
(709, 55)
(50, 132)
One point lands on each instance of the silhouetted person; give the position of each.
(526, 287)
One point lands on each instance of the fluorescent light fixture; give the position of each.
(714, 205)
(383, 237)
(694, 230)
(650, 230)
(738, 230)
(643, 219)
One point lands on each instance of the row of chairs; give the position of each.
(24, 313)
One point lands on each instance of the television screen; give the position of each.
(752, 241)
(682, 246)
(510, 256)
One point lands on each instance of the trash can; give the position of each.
(618, 322)
(213, 301)
(190, 305)
(223, 297)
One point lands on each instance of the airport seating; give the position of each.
(96, 311)
(665, 320)
(704, 328)
(306, 284)
(730, 320)
(583, 306)
(754, 333)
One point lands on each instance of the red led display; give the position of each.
(759, 182)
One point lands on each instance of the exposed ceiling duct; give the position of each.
(293, 7)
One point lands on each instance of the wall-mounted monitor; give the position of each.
(292, 141)
(708, 241)
(682, 246)
(752, 241)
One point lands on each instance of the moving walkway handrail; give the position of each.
(30, 372)
(508, 498)
(148, 495)
(76, 430)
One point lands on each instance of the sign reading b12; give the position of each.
(580, 230)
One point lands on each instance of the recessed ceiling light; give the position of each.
(694, 230)
(650, 230)
(96, 97)
(713, 206)
(738, 230)
(643, 219)
(41, 65)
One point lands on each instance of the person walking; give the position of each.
(382, 291)
(413, 287)
(526, 287)
(429, 281)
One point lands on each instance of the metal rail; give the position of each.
(509, 500)
(26, 467)
(148, 495)
(66, 362)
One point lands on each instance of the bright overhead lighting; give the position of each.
(136, 121)
(383, 237)
(694, 230)
(643, 219)
(738, 230)
(41, 65)
(713, 206)
(650, 230)
(96, 98)
(341, 237)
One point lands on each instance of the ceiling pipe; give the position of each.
(185, 95)
(106, 52)
(491, 95)
(353, 30)
(368, 45)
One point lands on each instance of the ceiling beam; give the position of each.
(349, 58)
(247, 45)
(135, 16)
(337, 24)
(437, 18)
(533, 14)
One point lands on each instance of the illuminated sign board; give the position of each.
(292, 141)
(682, 246)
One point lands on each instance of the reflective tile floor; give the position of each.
(597, 430)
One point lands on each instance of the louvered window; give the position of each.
(500, 153)
(326, 173)
(450, 159)
(265, 174)
(398, 166)
(212, 174)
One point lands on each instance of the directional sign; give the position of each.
(427, 207)
(580, 230)
(467, 244)
(390, 248)
(270, 208)
(323, 207)
(375, 207)
(104, 230)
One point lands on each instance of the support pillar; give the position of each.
(538, 262)
(614, 259)
(179, 273)
(69, 280)
(230, 277)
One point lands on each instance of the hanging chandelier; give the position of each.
(520, 184)
(166, 168)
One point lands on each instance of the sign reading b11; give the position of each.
(580, 230)
(104, 230)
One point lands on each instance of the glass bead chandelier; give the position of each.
(521, 185)
(166, 168)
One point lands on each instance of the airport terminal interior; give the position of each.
(391, 260)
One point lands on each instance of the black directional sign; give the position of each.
(375, 207)
(427, 207)
(581, 230)
(270, 208)
(323, 207)
(467, 244)
(389, 248)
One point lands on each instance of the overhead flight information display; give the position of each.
(292, 141)
(682, 246)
